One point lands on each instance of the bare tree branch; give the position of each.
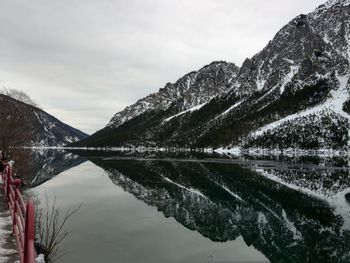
(50, 230)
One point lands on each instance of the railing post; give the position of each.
(2, 173)
(3, 181)
(8, 183)
(29, 234)
(17, 183)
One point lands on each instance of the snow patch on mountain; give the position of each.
(229, 109)
(195, 108)
(260, 80)
(335, 103)
(288, 78)
(55, 133)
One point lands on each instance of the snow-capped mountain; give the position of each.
(27, 125)
(189, 91)
(316, 51)
(292, 94)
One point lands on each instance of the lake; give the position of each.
(153, 208)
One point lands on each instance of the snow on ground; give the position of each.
(183, 112)
(7, 242)
(5, 234)
(6, 253)
(40, 259)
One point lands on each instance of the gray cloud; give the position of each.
(83, 61)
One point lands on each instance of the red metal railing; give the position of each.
(22, 216)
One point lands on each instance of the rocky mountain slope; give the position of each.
(292, 94)
(191, 90)
(26, 125)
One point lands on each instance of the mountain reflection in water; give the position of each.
(291, 211)
(287, 213)
(47, 163)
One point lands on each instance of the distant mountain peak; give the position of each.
(31, 126)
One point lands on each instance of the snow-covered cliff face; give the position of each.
(308, 47)
(293, 93)
(311, 52)
(31, 126)
(192, 89)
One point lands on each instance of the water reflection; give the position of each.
(47, 163)
(290, 212)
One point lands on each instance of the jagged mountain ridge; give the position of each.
(190, 92)
(305, 67)
(192, 89)
(33, 126)
(294, 93)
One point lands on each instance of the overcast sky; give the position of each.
(84, 60)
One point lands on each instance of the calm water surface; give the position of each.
(181, 210)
